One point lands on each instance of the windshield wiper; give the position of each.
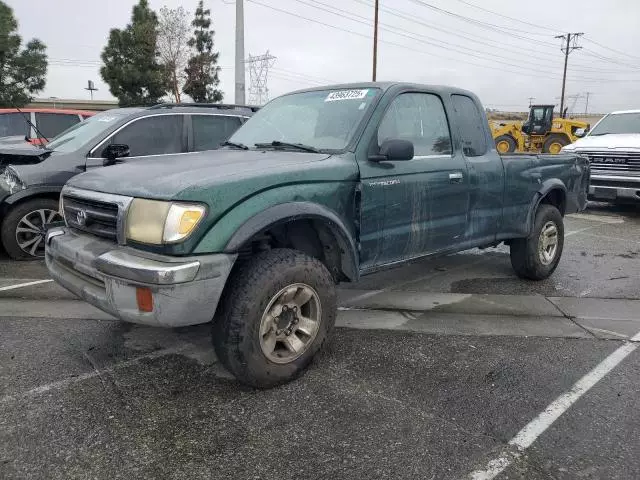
(235, 145)
(299, 146)
(599, 134)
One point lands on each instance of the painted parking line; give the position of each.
(525, 437)
(27, 284)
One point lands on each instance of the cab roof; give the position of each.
(384, 86)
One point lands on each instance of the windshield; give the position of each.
(76, 136)
(323, 119)
(618, 123)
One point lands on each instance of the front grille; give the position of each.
(614, 161)
(92, 216)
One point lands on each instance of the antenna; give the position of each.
(91, 88)
(258, 72)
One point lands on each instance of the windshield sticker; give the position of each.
(362, 105)
(346, 95)
(106, 119)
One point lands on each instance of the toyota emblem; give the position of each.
(81, 218)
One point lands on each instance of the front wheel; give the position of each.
(554, 144)
(505, 144)
(537, 256)
(278, 310)
(23, 229)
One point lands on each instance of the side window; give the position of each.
(420, 118)
(13, 124)
(155, 135)
(209, 131)
(51, 124)
(471, 125)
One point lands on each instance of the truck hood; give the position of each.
(166, 177)
(626, 141)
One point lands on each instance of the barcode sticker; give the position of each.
(346, 95)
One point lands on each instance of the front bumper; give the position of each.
(185, 290)
(608, 187)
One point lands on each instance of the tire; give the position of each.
(554, 143)
(505, 144)
(38, 212)
(526, 259)
(285, 277)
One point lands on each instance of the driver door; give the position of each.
(146, 137)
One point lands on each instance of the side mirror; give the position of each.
(580, 132)
(394, 151)
(113, 152)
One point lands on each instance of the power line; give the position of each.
(406, 47)
(611, 49)
(507, 17)
(419, 37)
(485, 25)
(475, 37)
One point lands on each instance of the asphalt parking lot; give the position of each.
(447, 368)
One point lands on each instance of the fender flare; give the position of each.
(286, 212)
(546, 187)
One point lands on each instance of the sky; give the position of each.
(504, 51)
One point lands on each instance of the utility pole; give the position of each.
(531, 99)
(586, 105)
(567, 48)
(375, 42)
(239, 99)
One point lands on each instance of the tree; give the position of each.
(23, 72)
(131, 60)
(202, 69)
(173, 46)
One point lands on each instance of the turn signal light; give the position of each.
(144, 297)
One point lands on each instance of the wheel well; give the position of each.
(5, 207)
(311, 236)
(557, 198)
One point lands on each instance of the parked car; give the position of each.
(320, 186)
(15, 129)
(31, 185)
(613, 148)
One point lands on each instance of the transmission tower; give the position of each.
(259, 66)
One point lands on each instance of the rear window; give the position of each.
(13, 124)
(209, 131)
(52, 124)
(471, 125)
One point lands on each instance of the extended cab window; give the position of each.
(471, 125)
(419, 118)
(51, 124)
(13, 124)
(209, 131)
(155, 135)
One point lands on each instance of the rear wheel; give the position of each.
(278, 310)
(554, 144)
(24, 228)
(537, 256)
(505, 144)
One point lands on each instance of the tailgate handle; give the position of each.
(455, 177)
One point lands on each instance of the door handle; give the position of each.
(455, 177)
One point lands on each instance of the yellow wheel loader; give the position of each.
(539, 133)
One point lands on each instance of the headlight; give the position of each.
(12, 180)
(157, 222)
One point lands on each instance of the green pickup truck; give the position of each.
(320, 186)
